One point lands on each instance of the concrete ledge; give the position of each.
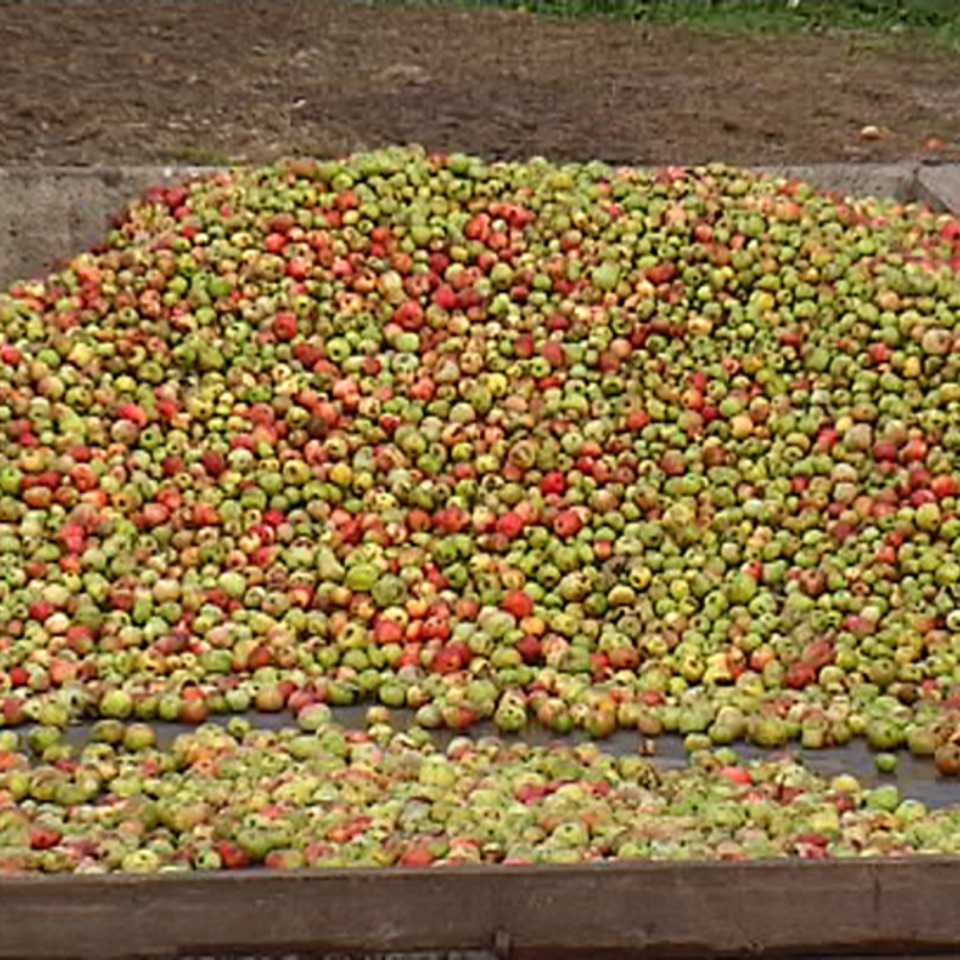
(777, 908)
(49, 214)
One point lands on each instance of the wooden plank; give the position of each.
(896, 906)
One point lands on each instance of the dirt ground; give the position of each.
(210, 81)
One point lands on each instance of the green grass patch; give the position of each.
(940, 17)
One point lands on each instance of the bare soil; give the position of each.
(211, 81)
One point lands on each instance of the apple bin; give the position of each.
(409, 552)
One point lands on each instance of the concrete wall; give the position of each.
(50, 214)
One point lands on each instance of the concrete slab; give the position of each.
(939, 186)
(50, 214)
(880, 180)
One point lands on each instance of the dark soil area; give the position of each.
(210, 81)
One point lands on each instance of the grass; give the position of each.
(937, 18)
